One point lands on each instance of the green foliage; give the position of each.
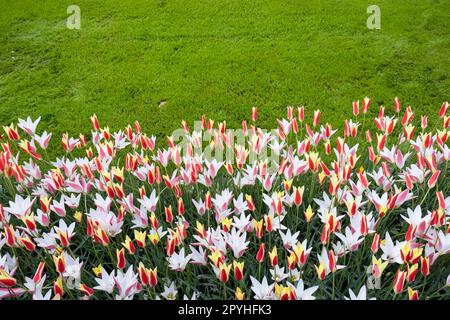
(218, 58)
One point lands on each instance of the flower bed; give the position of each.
(293, 213)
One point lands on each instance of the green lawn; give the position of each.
(218, 58)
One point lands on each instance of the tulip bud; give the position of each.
(309, 214)
(128, 244)
(316, 118)
(250, 203)
(170, 246)
(39, 272)
(258, 225)
(321, 271)
(181, 209)
(424, 122)
(169, 215)
(58, 287)
(6, 280)
(28, 243)
(443, 110)
(120, 256)
(143, 274)
(413, 294)
(366, 104)
(301, 113)
(254, 114)
(239, 295)
(260, 254)
(60, 263)
(87, 291)
(140, 238)
(94, 122)
(355, 108)
(238, 270)
(298, 195)
(224, 272)
(375, 243)
(433, 179)
(325, 236)
(411, 272)
(273, 257)
(397, 106)
(399, 281)
(425, 266)
(153, 277)
(208, 201)
(290, 112)
(268, 222)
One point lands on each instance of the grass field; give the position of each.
(218, 58)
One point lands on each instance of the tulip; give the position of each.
(140, 237)
(6, 280)
(239, 295)
(291, 261)
(128, 244)
(443, 109)
(100, 236)
(254, 114)
(321, 271)
(153, 277)
(87, 291)
(94, 122)
(273, 257)
(11, 132)
(355, 108)
(258, 225)
(143, 274)
(224, 272)
(282, 292)
(378, 267)
(408, 131)
(301, 113)
(268, 222)
(433, 179)
(366, 104)
(375, 243)
(28, 243)
(59, 262)
(397, 105)
(298, 195)
(168, 213)
(120, 257)
(325, 236)
(39, 272)
(411, 272)
(208, 201)
(399, 281)
(260, 254)
(413, 294)
(334, 185)
(98, 270)
(441, 200)
(238, 270)
(170, 246)
(226, 224)
(332, 261)
(424, 122)
(316, 118)
(58, 287)
(425, 266)
(309, 214)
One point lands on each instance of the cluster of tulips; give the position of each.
(362, 215)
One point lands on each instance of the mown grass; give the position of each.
(218, 58)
